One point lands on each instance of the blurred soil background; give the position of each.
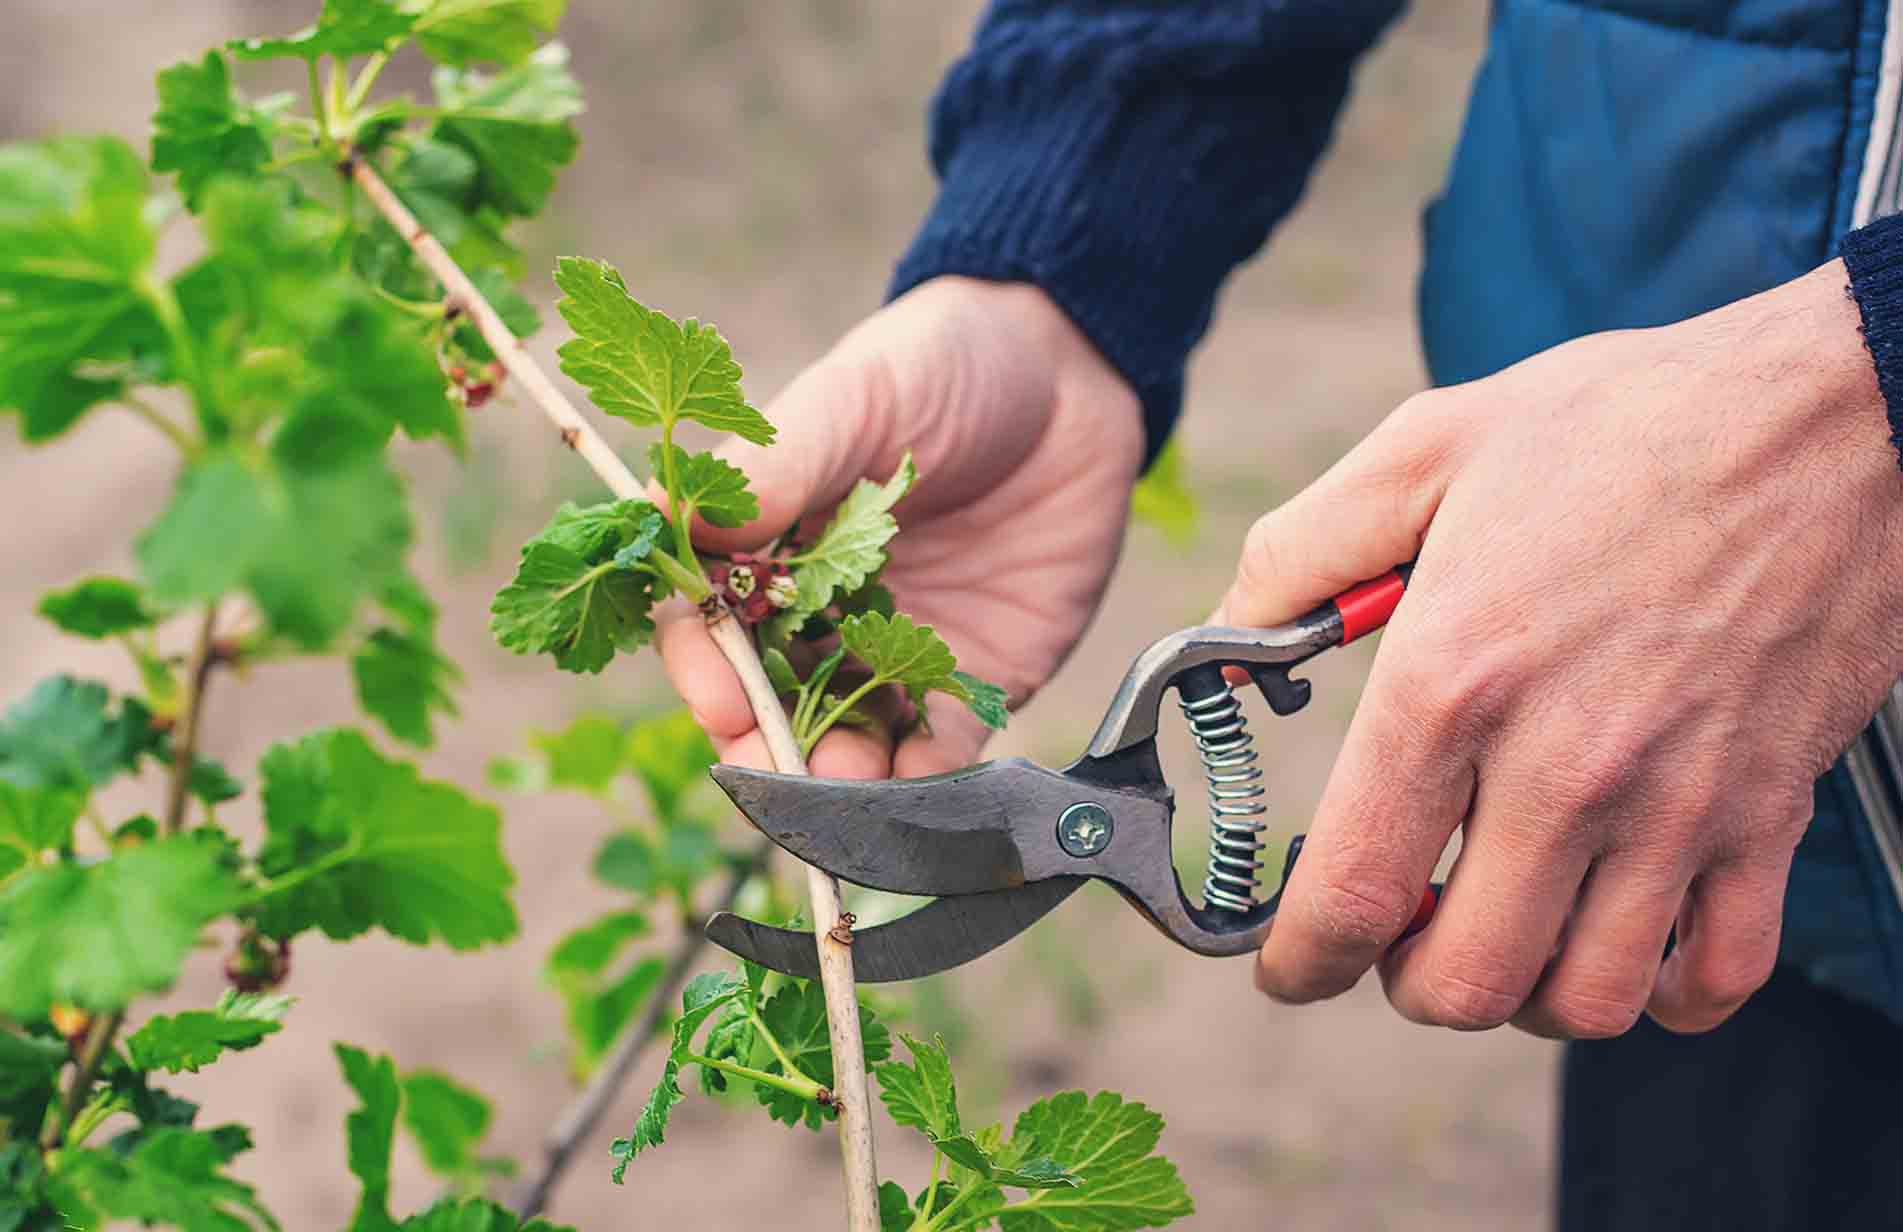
(762, 165)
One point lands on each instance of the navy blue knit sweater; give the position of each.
(1126, 155)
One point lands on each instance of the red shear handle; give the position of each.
(1367, 606)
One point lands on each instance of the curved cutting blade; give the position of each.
(942, 934)
(989, 827)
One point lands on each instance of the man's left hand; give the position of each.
(1657, 592)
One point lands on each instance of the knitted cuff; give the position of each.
(1873, 255)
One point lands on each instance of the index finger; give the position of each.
(1399, 790)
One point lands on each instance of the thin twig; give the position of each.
(584, 1113)
(91, 1054)
(833, 935)
(185, 746)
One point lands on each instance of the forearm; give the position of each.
(1125, 157)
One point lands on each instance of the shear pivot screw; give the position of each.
(1084, 830)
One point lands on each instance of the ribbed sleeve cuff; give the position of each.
(1128, 216)
(1873, 255)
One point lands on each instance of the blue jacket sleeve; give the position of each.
(1873, 259)
(1125, 155)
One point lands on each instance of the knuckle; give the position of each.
(1727, 980)
(1468, 997)
(1595, 1009)
(1262, 553)
(1361, 912)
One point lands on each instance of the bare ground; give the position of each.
(761, 165)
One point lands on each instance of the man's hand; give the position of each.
(1027, 444)
(1657, 593)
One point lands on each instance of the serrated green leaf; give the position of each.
(796, 1015)
(370, 1131)
(988, 701)
(475, 1215)
(97, 935)
(344, 28)
(97, 607)
(581, 613)
(587, 754)
(170, 1177)
(851, 550)
(671, 756)
(707, 486)
(360, 842)
(464, 32)
(447, 1120)
(515, 125)
(188, 1041)
(403, 679)
(75, 250)
(1107, 1142)
(310, 545)
(65, 736)
(201, 130)
(597, 532)
(599, 1003)
(901, 651)
(704, 996)
(440, 183)
(924, 1096)
(642, 365)
(35, 819)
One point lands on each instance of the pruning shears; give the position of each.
(1000, 844)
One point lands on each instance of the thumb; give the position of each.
(1367, 514)
(832, 427)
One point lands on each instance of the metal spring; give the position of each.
(1235, 798)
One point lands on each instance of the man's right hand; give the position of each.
(1027, 443)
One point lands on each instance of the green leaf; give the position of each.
(600, 1004)
(98, 607)
(97, 935)
(644, 366)
(447, 1119)
(671, 756)
(988, 701)
(895, 1209)
(581, 613)
(598, 532)
(344, 28)
(370, 1131)
(515, 125)
(474, 1215)
(403, 679)
(796, 1015)
(463, 32)
(211, 783)
(585, 755)
(923, 1096)
(589, 949)
(201, 130)
(704, 996)
(628, 861)
(29, 1073)
(581, 591)
(1108, 1142)
(63, 736)
(359, 842)
(901, 651)
(706, 485)
(852, 547)
(196, 1038)
(75, 250)
(34, 819)
(309, 544)
(440, 183)
(1162, 498)
(171, 1176)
